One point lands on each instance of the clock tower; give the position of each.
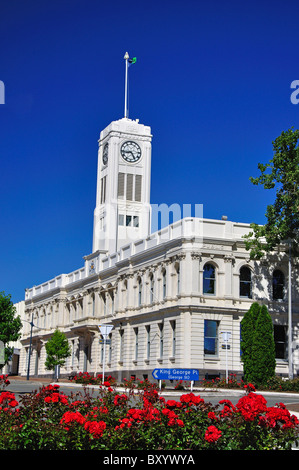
(123, 212)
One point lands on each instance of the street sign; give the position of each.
(107, 341)
(105, 330)
(226, 335)
(176, 374)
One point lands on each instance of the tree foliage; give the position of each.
(263, 349)
(57, 349)
(10, 324)
(281, 174)
(257, 345)
(248, 324)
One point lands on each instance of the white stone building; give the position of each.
(169, 294)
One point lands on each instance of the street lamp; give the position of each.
(30, 343)
(290, 345)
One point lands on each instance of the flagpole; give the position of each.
(126, 57)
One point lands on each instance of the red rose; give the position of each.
(212, 434)
(95, 428)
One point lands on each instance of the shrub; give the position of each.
(141, 420)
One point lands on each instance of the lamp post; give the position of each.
(30, 343)
(290, 346)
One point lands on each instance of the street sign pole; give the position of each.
(226, 365)
(105, 331)
(104, 358)
(226, 337)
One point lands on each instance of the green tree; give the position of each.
(263, 349)
(248, 325)
(58, 350)
(10, 324)
(282, 175)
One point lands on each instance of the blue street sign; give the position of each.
(176, 374)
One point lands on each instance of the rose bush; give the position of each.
(141, 420)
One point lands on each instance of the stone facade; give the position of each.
(153, 295)
(169, 295)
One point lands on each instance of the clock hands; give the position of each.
(131, 151)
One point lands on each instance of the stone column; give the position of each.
(228, 266)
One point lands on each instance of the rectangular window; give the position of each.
(121, 219)
(102, 179)
(110, 348)
(121, 185)
(129, 185)
(135, 221)
(136, 343)
(128, 220)
(121, 345)
(103, 189)
(280, 339)
(161, 331)
(129, 193)
(211, 338)
(148, 342)
(138, 179)
(173, 329)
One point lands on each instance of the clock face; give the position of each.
(105, 154)
(130, 151)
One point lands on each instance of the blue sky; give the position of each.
(212, 80)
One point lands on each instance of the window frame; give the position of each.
(213, 279)
(214, 338)
(277, 270)
(278, 341)
(245, 282)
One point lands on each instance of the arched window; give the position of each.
(139, 292)
(245, 282)
(164, 283)
(178, 273)
(278, 285)
(209, 278)
(151, 288)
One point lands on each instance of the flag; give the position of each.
(133, 60)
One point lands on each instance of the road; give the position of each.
(20, 387)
